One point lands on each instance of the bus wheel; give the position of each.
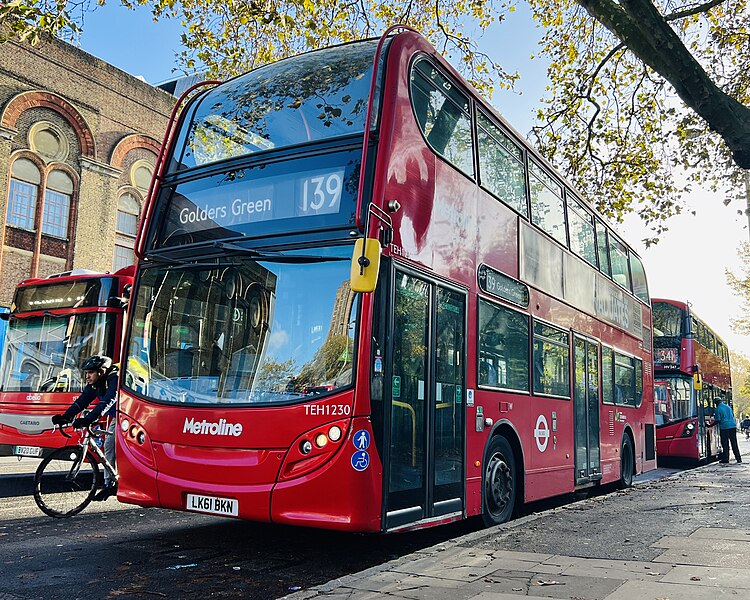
(499, 482)
(627, 464)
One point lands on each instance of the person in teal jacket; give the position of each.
(724, 418)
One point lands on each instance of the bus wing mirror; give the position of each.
(365, 265)
(697, 381)
(117, 302)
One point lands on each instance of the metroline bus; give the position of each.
(54, 324)
(691, 367)
(497, 350)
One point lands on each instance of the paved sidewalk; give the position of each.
(689, 526)
(10, 465)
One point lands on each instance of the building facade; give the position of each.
(78, 144)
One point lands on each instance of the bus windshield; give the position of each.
(667, 320)
(675, 403)
(252, 332)
(311, 97)
(44, 354)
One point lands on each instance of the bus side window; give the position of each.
(443, 114)
(503, 348)
(602, 246)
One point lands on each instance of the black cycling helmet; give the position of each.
(96, 363)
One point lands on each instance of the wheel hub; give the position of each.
(498, 483)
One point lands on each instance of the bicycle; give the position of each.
(66, 480)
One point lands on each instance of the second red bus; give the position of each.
(55, 323)
(691, 366)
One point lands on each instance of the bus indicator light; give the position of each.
(321, 440)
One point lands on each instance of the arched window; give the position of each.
(23, 192)
(140, 175)
(128, 209)
(57, 198)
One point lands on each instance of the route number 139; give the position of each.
(321, 194)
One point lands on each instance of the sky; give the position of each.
(689, 263)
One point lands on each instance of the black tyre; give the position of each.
(65, 482)
(627, 463)
(499, 482)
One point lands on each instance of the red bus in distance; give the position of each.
(691, 367)
(54, 324)
(489, 345)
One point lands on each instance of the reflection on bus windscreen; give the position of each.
(253, 332)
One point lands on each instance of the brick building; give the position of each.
(78, 145)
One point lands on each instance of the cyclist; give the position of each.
(745, 426)
(101, 383)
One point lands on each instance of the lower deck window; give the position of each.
(503, 348)
(622, 378)
(551, 361)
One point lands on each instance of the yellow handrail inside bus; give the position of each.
(410, 408)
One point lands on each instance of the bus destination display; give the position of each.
(261, 200)
(501, 286)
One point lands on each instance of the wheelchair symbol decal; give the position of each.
(360, 460)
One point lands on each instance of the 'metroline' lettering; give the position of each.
(207, 428)
(238, 208)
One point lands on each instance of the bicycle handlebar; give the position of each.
(94, 429)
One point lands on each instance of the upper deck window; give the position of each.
(547, 210)
(640, 286)
(311, 97)
(667, 320)
(581, 225)
(618, 258)
(501, 165)
(443, 114)
(601, 246)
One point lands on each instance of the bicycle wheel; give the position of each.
(65, 482)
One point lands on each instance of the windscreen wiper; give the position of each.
(46, 313)
(280, 257)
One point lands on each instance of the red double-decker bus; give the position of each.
(54, 324)
(691, 368)
(487, 342)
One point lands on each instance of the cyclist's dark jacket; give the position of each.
(105, 390)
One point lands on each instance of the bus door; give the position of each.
(424, 408)
(586, 404)
(704, 410)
